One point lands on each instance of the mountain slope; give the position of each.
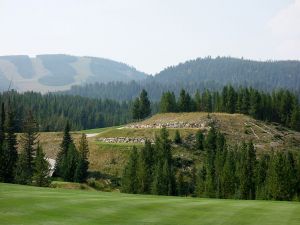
(59, 72)
(225, 70)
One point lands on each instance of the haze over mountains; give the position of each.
(60, 72)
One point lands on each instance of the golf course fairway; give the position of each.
(32, 205)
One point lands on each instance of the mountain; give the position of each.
(200, 74)
(59, 72)
(266, 75)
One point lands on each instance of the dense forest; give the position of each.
(52, 111)
(201, 74)
(24, 162)
(225, 172)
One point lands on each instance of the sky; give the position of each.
(152, 34)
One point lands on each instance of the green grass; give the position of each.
(31, 205)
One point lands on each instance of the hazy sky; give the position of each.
(152, 34)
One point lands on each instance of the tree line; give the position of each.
(52, 111)
(238, 172)
(279, 106)
(226, 171)
(29, 166)
(26, 163)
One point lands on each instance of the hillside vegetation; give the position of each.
(110, 157)
(31, 205)
(201, 74)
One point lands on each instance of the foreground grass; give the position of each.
(31, 205)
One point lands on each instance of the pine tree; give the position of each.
(247, 181)
(129, 178)
(168, 102)
(145, 109)
(70, 163)
(83, 163)
(228, 176)
(199, 140)
(62, 155)
(177, 138)
(136, 115)
(41, 175)
(10, 147)
(164, 177)
(184, 102)
(145, 168)
(181, 185)
(198, 101)
(261, 176)
(200, 183)
(25, 166)
(2, 139)
(2, 125)
(210, 148)
(295, 119)
(290, 178)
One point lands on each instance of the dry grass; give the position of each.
(110, 158)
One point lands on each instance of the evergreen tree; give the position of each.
(210, 148)
(261, 176)
(2, 139)
(62, 154)
(248, 162)
(25, 165)
(136, 115)
(70, 163)
(129, 178)
(2, 125)
(181, 185)
(10, 147)
(200, 183)
(184, 102)
(83, 163)
(164, 178)
(41, 175)
(168, 102)
(145, 109)
(228, 178)
(290, 178)
(198, 101)
(177, 138)
(295, 119)
(199, 140)
(145, 168)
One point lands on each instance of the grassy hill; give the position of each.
(31, 205)
(109, 158)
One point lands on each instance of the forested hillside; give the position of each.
(266, 75)
(201, 74)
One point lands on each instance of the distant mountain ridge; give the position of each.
(227, 70)
(57, 72)
(200, 74)
(82, 75)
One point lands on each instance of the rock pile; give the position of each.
(199, 125)
(124, 140)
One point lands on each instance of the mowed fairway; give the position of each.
(31, 205)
